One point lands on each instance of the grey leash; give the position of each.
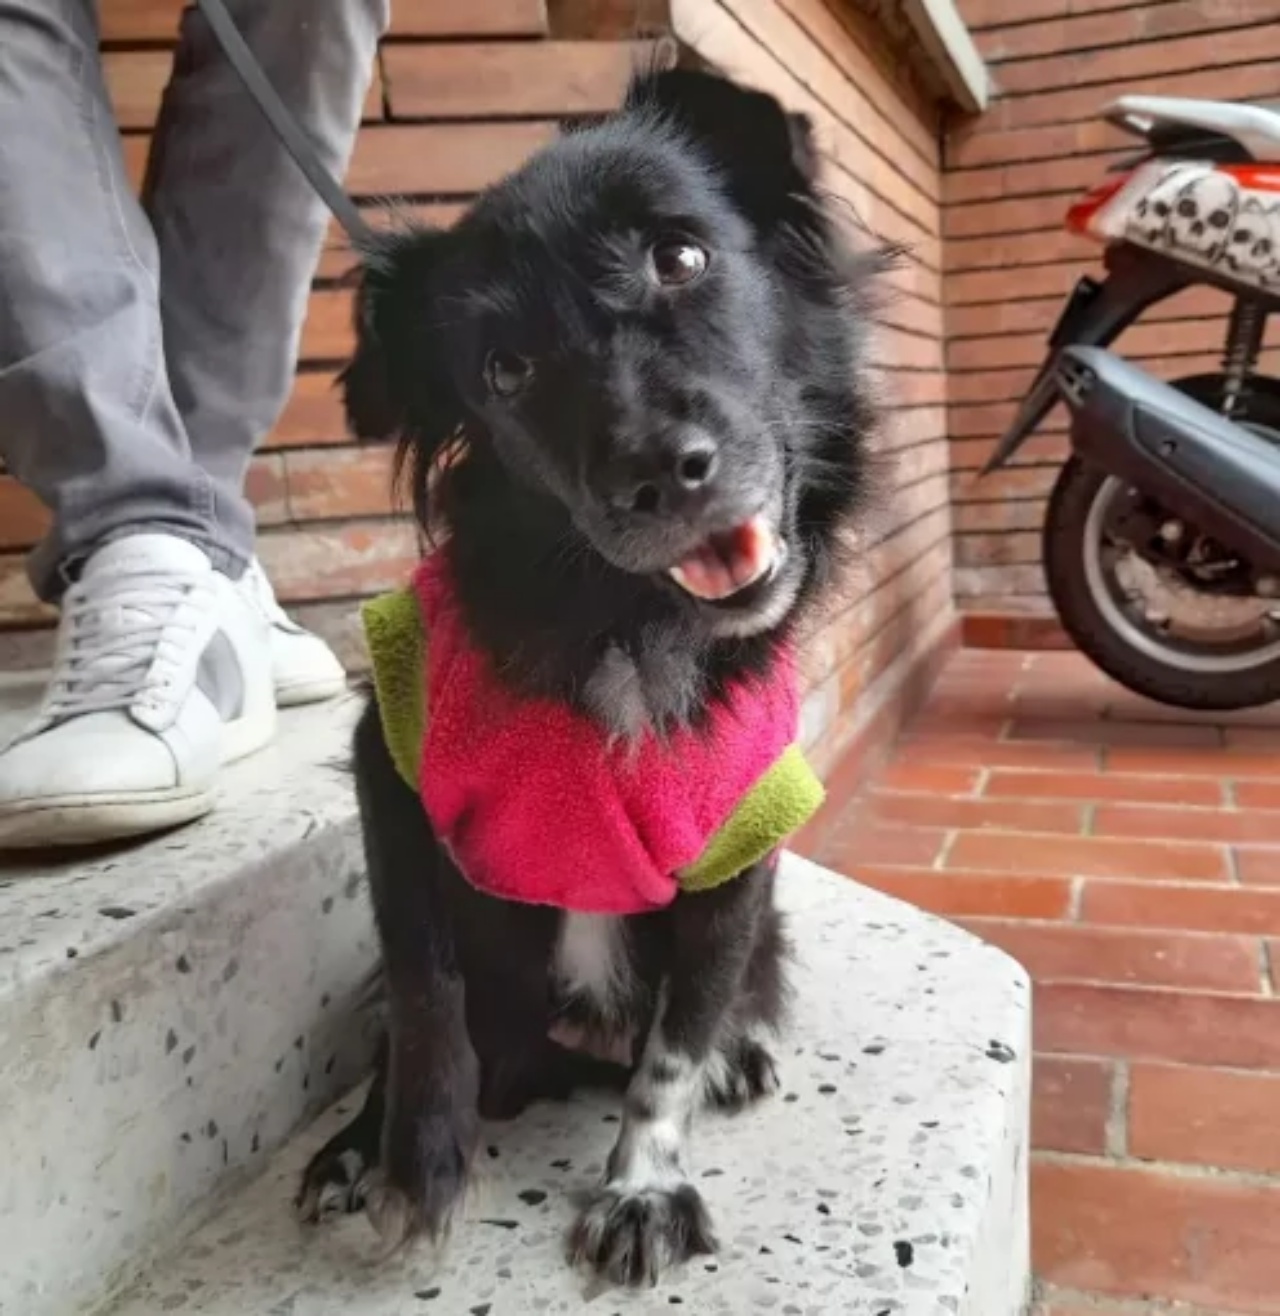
(285, 124)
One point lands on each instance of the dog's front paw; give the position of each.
(632, 1238)
(744, 1074)
(420, 1185)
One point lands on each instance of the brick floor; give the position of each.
(1129, 856)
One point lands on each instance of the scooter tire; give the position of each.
(1065, 529)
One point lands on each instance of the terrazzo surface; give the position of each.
(172, 1012)
(85, 902)
(888, 1179)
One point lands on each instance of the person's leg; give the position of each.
(162, 668)
(240, 231)
(87, 418)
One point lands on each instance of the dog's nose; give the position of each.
(674, 474)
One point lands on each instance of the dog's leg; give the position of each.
(742, 1070)
(429, 1124)
(505, 950)
(648, 1216)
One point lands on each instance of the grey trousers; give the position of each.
(146, 349)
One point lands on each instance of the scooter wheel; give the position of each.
(1242, 672)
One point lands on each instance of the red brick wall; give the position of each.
(1009, 176)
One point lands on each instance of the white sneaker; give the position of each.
(304, 669)
(161, 675)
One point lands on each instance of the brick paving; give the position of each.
(1129, 856)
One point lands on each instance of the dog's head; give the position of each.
(644, 348)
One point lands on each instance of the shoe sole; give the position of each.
(86, 820)
(71, 820)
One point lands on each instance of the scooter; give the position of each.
(1162, 538)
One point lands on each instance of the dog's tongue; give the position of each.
(728, 562)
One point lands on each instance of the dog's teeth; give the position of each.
(700, 581)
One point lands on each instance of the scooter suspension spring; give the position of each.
(1244, 344)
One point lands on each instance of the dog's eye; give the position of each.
(677, 262)
(507, 374)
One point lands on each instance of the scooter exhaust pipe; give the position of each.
(1198, 465)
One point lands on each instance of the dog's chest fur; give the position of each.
(660, 686)
(657, 688)
(592, 964)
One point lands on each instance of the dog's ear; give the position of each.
(371, 408)
(395, 385)
(767, 153)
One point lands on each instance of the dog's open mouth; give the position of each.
(727, 563)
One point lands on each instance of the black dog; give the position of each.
(630, 385)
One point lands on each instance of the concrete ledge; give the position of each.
(171, 1012)
(890, 1177)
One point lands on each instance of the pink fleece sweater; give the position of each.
(537, 805)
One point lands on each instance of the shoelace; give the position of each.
(115, 630)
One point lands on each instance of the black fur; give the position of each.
(561, 575)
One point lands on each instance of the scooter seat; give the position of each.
(1254, 128)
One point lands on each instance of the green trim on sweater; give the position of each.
(398, 652)
(777, 806)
